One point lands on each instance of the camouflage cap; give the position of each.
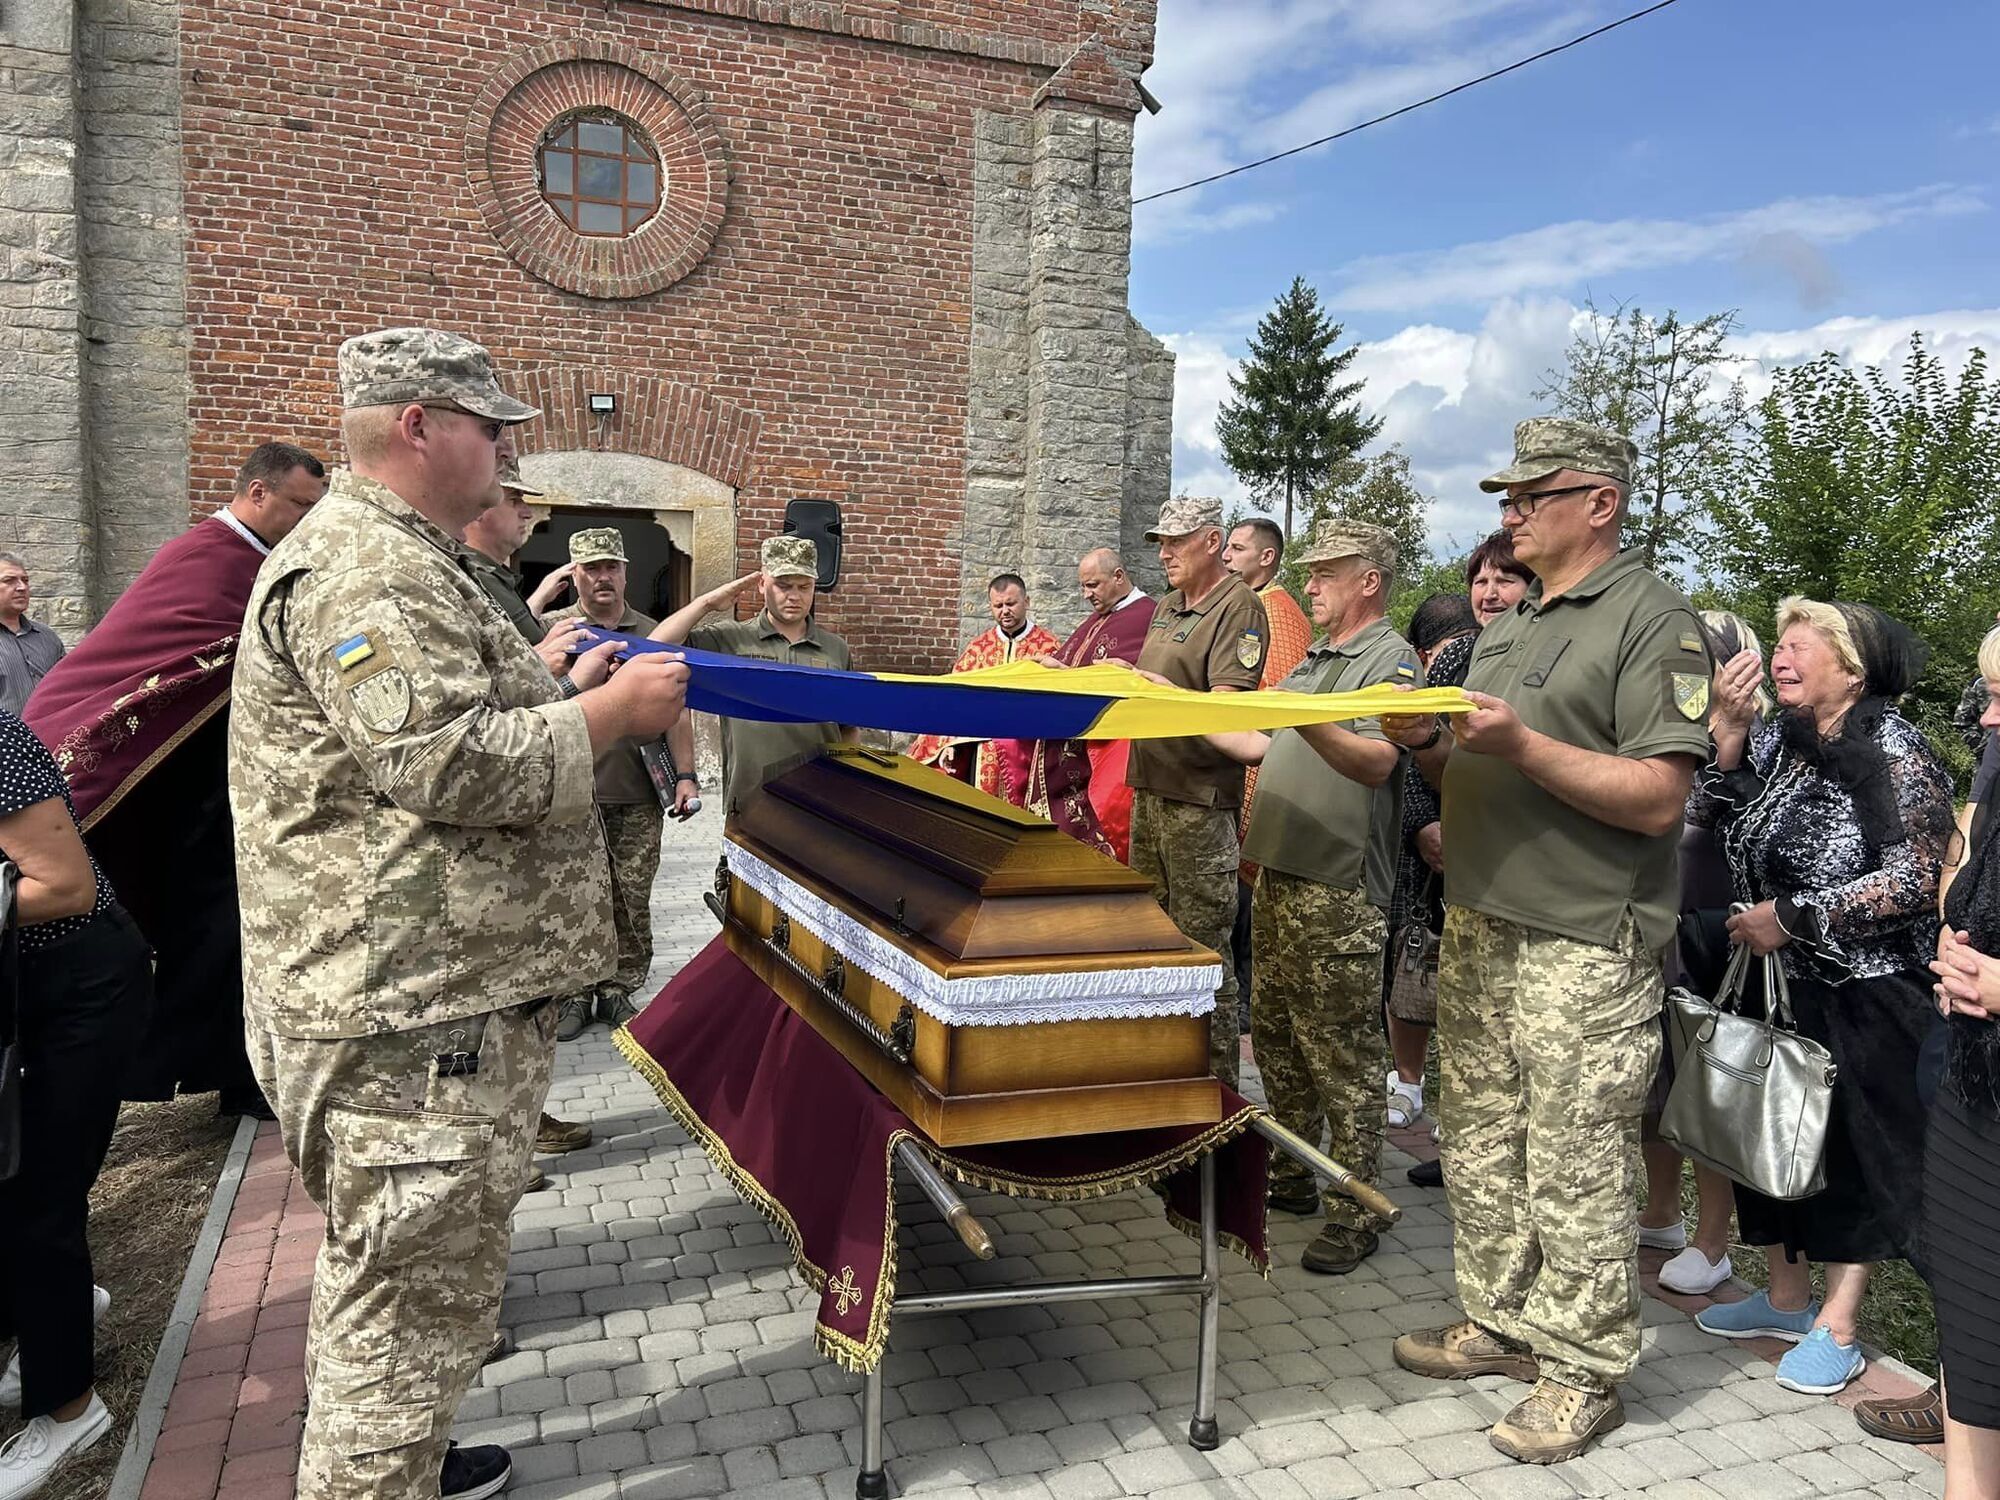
(1334, 539)
(510, 478)
(1547, 445)
(789, 556)
(399, 366)
(597, 544)
(1185, 514)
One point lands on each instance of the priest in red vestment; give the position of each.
(136, 717)
(1001, 767)
(1079, 785)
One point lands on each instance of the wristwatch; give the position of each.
(688, 776)
(1437, 733)
(566, 685)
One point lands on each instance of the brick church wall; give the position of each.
(833, 316)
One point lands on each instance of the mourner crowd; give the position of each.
(349, 828)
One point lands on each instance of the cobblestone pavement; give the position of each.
(664, 1349)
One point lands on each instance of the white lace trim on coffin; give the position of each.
(991, 1000)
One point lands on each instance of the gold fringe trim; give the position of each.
(859, 1356)
(160, 753)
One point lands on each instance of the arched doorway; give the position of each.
(659, 575)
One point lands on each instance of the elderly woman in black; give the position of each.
(1962, 1153)
(85, 982)
(1835, 821)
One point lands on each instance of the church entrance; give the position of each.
(659, 576)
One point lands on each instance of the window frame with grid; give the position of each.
(564, 141)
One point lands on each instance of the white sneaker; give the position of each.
(1672, 1236)
(1406, 1100)
(1694, 1273)
(10, 1378)
(39, 1449)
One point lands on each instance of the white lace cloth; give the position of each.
(993, 1000)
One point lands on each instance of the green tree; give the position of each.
(1292, 418)
(1378, 489)
(1661, 382)
(1861, 486)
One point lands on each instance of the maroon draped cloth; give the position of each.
(1079, 785)
(152, 671)
(809, 1142)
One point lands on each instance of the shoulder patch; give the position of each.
(1406, 671)
(1250, 649)
(1690, 642)
(353, 651)
(1688, 692)
(383, 699)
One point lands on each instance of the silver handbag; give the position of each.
(1750, 1097)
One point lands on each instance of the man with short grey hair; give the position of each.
(28, 648)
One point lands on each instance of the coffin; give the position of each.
(992, 976)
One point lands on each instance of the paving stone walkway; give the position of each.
(664, 1349)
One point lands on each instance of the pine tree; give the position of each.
(1293, 419)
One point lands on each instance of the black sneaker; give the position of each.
(1426, 1174)
(474, 1473)
(246, 1099)
(1291, 1199)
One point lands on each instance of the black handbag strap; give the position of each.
(10, 953)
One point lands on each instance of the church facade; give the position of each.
(741, 252)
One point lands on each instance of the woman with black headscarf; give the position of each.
(1835, 819)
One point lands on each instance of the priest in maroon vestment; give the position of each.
(1079, 785)
(136, 718)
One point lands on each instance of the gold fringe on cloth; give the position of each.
(862, 1356)
(857, 1356)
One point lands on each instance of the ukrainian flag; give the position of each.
(1021, 700)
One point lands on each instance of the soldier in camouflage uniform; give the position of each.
(1562, 815)
(626, 798)
(1209, 635)
(1324, 829)
(420, 868)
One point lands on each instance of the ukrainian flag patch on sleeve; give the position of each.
(352, 652)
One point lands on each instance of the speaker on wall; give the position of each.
(819, 522)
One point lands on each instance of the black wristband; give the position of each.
(567, 687)
(687, 776)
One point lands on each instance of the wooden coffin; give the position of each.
(930, 931)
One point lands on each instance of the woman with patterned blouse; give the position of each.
(85, 985)
(1835, 818)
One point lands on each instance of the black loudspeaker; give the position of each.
(819, 522)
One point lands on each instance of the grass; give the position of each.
(145, 1213)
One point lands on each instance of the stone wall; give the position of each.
(135, 284)
(44, 490)
(1069, 434)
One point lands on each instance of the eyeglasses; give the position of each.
(1524, 505)
(492, 428)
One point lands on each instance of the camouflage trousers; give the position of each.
(1190, 854)
(1316, 1027)
(632, 833)
(1548, 1047)
(417, 1174)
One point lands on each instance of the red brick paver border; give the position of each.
(232, 1425)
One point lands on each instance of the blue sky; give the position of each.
(1827, 168)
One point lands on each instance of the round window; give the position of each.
(600, 173)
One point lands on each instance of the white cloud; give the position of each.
(1451, 396)
(1565, 256)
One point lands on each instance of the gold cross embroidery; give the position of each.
(845, 1292)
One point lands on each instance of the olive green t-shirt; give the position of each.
(1616, 665)
(622, 780)
(503, 586)
(1308, 819)
(1219, 642)
(752, 749)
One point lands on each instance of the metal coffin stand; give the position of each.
(872, 1483)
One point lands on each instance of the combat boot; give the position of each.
(1336, 1250)
(1462, 1351)
(1556, 1422)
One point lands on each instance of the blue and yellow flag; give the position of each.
(1022, 700)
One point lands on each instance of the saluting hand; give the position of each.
(715, 598)
(1492, 728)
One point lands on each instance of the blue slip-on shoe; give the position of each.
(1821, 1365)
(1755, 1318)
